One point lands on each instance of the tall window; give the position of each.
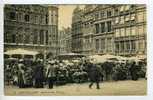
(102, 44)
(12, 15)
(140, 17)
(122, 20)
(35, 37)
(122, 46)
(109, 44)
(117, 20)
(27, 18)
(13, 38)
(36, 19)
(122, 32)
(47, 37)
(102, 27)
(140, 30)
(117, 46)
(41, 37)
(127, 31)
(128, 45)
(27, 36)
(19, 16)
(109, 26)
(133, 45)
(7, 37)
(20, 35)
(127, 17)
(109, 13)
(102, 14)
(132, 16)
(97, 28)
(133, 30)
(141, 44)
(116, 12)
(96, 15)
(145, 16)
(117, 33)
(97, 44)
(121, 8)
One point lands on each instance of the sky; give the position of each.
(65, 15)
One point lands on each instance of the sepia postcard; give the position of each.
(75, 50)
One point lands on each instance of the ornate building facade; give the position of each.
(77, 33)
(65, 40)
(104, 33)
(130, 29)
(88, 29)
(32, 27)
(113, 29)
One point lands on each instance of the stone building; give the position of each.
(31, 27)
(130, 29)
(104, 33)
(65, 40)
(113, 29)
(77, 33)
(88, 29)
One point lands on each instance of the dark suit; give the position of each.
(39, 76)
(95, 74)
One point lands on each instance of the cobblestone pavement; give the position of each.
(127, 87)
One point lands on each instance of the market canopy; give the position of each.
(70, 56)
(106, 58)
(21, 52)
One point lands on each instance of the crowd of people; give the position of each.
(39, 73)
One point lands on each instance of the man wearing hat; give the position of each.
(95, 74)
(50, 74)
(39, 74)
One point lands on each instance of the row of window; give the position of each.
(104, 27)
(123, 19)
(131, 45)
(141, 17)
(130, 31)
(104, 14)
(27, 17)
(109, 13)
(125, 46)
(43, 38)
(104, 44)
(87, 43)
(126, 8)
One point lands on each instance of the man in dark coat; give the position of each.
(39, 75)
(95, 74)
(134, 71)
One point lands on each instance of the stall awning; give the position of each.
(21, 52)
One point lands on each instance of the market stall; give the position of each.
(21, 53)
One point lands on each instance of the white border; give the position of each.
(76, 1)
(149, 49)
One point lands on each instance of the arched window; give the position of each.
(27, 18)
